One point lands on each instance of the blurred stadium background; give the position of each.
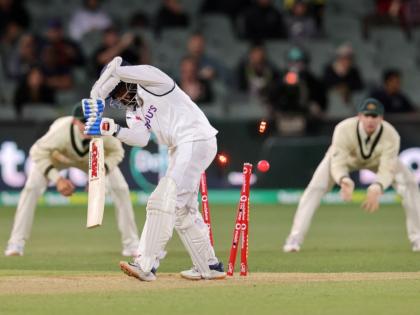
(301, 65)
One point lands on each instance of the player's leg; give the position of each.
(187, 163)
(320, 184)
(124, 213)
(34, 187)
(406, 186)
(156, 232)
(194, 234)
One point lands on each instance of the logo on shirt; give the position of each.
(149, 115)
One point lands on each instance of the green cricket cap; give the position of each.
(371, 106)
(77, 112)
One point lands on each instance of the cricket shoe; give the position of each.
(216, 273)
(134, 270)
(291, 246)
(415, 246)
(14, 250)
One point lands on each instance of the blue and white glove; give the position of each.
(93, 110)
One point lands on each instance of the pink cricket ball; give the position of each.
(263, 166)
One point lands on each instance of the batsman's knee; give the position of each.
(185, 218)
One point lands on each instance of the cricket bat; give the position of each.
(96, 193)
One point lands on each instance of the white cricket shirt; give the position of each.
(162, 108)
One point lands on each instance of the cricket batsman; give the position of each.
(154, 103)
(64, 146)
(362, 142)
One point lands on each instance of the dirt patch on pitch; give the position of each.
(12, 285)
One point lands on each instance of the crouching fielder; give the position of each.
(153, 102)
(64, 146)
(362, 142)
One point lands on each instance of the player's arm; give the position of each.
(339, 163)
(385, 174)
(388, 162)
(41, 153)
(147, 76)
(137, 135)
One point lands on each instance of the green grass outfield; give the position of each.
(352, 262)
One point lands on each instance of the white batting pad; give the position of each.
(159, 223)
(194, 234)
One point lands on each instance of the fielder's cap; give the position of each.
(371, 106)
(78, 112)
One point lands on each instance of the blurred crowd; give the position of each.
(43, 64)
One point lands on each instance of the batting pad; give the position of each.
(159, 222)
(194, 234)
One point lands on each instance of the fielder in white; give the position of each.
(362, 142)
(64, 146)
(154, 103)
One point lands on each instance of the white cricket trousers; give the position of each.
(187, 162)
(36, 185)
(322, 182)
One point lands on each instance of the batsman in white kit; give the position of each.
(62, 147)
(362, 142)
(154, 103)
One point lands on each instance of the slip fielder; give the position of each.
(362, 142)
(153, 102)
(64, 146)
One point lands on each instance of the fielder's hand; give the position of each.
(347, 187)
(374, 192)
(65, 187)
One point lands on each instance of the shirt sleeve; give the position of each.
(114, 153)
(148, 77)
(339, 154)
(137, 135)
(388, 161)
(42, 150)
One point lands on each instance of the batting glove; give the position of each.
(93, 110)
(108, 127)
(93, 107)
(92, 126)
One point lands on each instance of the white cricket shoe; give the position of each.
(134, 270)
(291, 246)
(14, 250)
(130, 251)
(415, 246)
(216, 273)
